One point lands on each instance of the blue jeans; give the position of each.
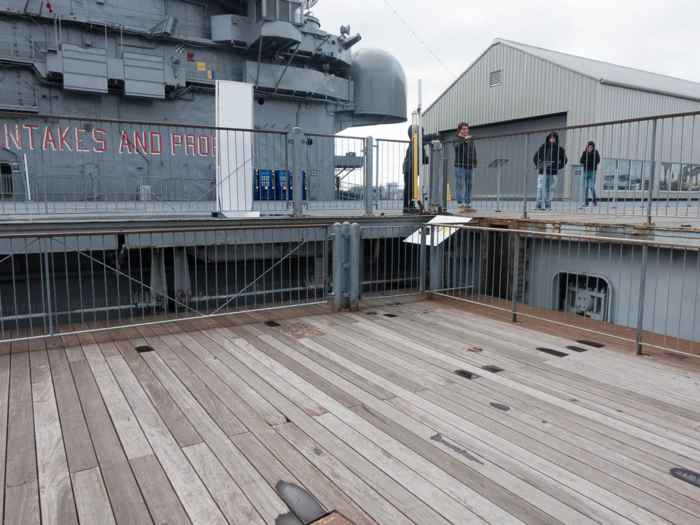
(545, 185)
(589, 182)
(465, 184)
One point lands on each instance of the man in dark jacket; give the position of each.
(465, 163)
(590, 160)
(408, 205)
(549, 159)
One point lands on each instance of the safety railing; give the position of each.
(78, 282)
(632, 289)
(335, 169)
(389, 180)
(67, 283)
(71, 166)
(644, 167)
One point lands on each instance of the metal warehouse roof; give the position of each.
(613, 74)
(602, 72)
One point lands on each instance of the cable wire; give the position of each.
(419, 38)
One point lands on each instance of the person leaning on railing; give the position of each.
(590, 160)
(549, 159)
(465, 164)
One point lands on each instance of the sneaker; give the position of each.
(595, 203)
(469, 209)
(462, 209)
(549, 207)
(538, 206)
(410, 210)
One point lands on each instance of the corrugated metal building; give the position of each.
(513, 87)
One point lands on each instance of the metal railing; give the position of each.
(648, 167)
(637, 290)
(72, 166)
(67, 283)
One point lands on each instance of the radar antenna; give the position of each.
(308, 4)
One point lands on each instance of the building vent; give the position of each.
(495, 78)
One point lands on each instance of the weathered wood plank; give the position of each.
(178, 424)
(76, 438)
(21, 457)
(162, 502)
(55, 490)
(302, 473)
(171, 349)
(217, 372)
(265, 500)
(134, 442)
(127, 503)
(4, 404)
(232, 501)
(372, 503)
(192, 493)
(91, 497)
(22, 504)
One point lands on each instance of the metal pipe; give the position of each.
(369, 175)
(337, 266)
(613, 240)
(653, 169)
(40, 235)
(525, 179)
(516, 274)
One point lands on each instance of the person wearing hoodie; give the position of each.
(549, 159)
(465, 163)
(590, 160)
(408, 205)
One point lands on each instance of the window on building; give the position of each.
(296, 13)
(5, 179)
(495, 78)
(283, 10)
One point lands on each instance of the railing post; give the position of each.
(295, 179)
(436, 178)
(437, 260)
(516, 274)
(526, 164)
(369, 175)
(345, 279)
(653, 169)
(45, 250)
(423, 256)
(642, 293)
(355, 267)
(337, 266)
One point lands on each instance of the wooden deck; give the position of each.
(363, 411)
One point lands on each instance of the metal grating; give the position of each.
(495, 78)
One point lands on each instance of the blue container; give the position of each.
(284, 186)
(264, 187)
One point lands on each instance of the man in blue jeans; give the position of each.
(590, 160)
(549, 159)
(465, 163)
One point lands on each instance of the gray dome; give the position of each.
(380, 86)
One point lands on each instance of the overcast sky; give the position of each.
(656, 36)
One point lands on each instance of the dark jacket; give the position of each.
(590, 160)
(408, 159)
(551, 152)
(465, 153)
